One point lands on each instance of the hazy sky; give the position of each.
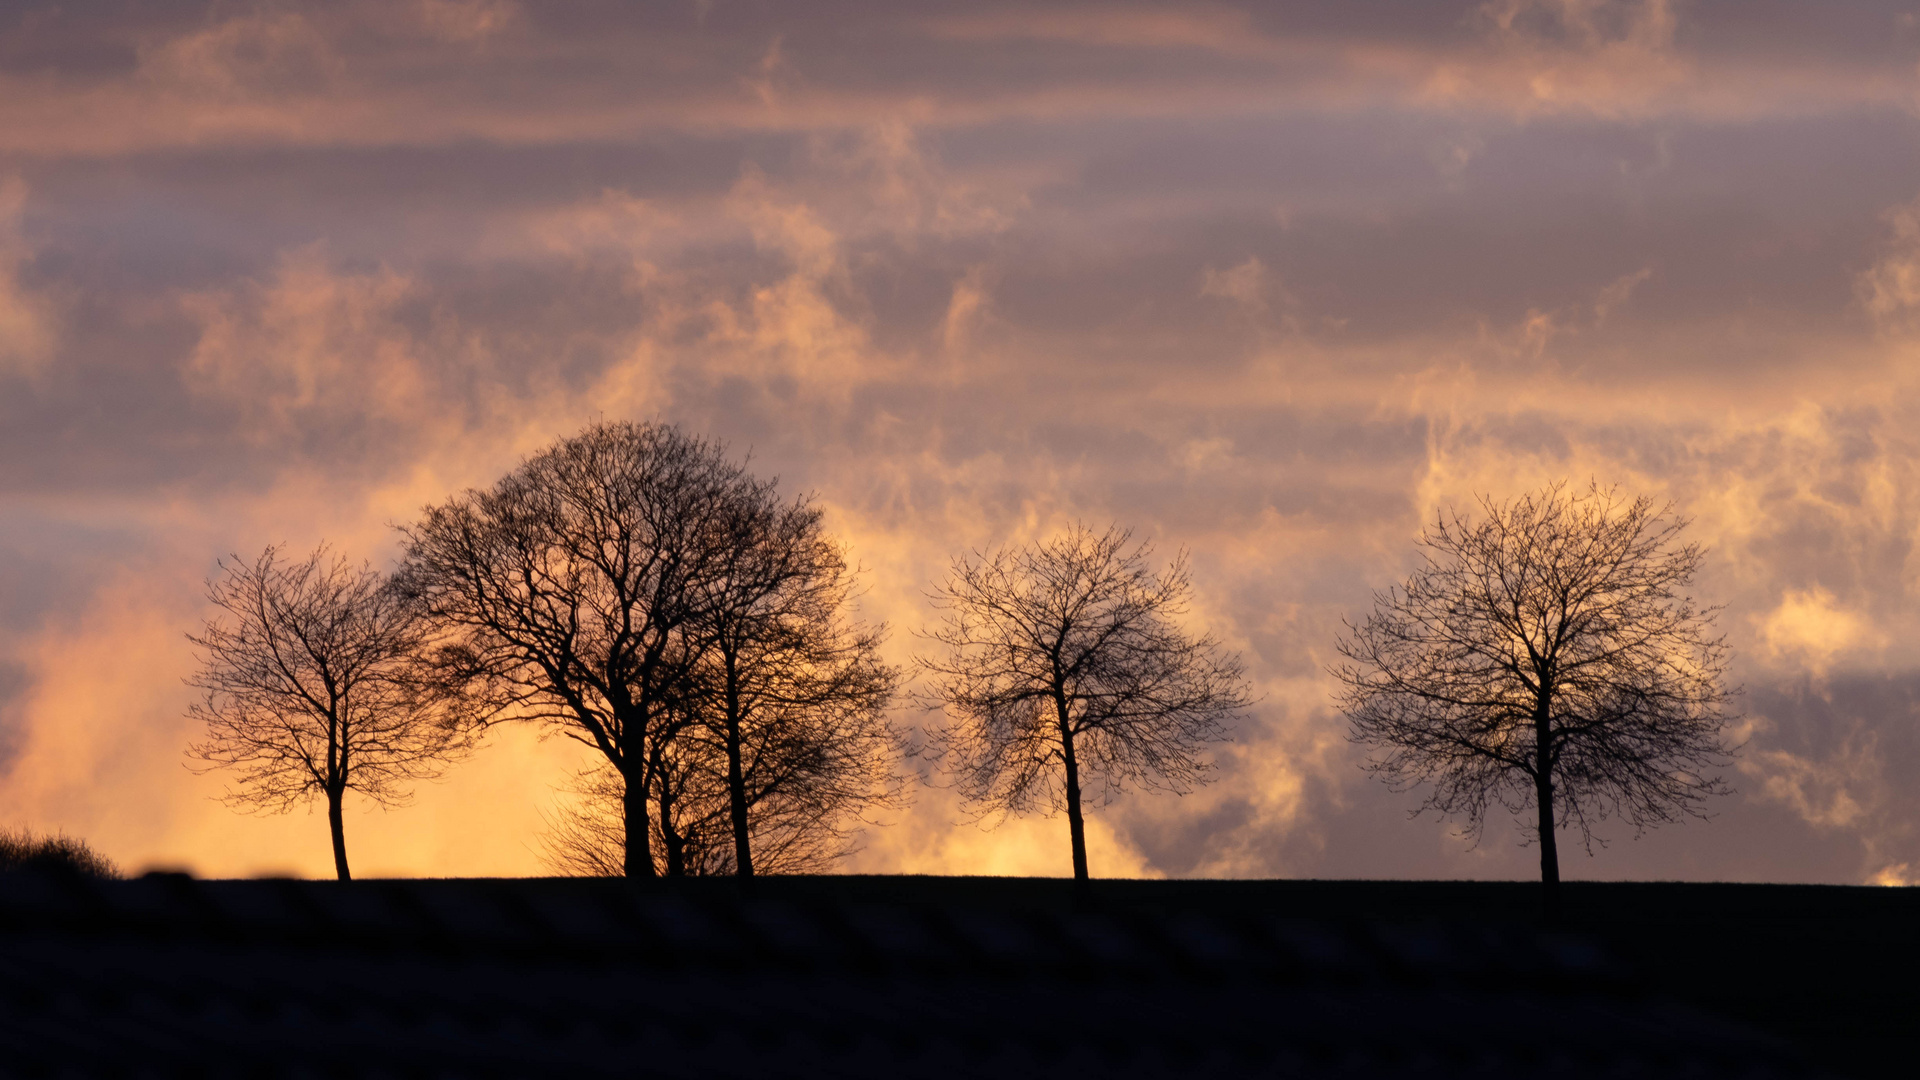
(1273, 283)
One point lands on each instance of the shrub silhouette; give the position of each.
(22, 850)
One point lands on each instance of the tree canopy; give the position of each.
(311, 688)
(1545, 656)
(1065, 666)
(641, 592)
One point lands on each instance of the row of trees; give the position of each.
(636, 590)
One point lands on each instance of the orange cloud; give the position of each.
(1808, 626)
(1890, 289)
(965, 303)
(427, 72)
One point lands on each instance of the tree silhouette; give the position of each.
(1545, 657)
(781, 734)
(1065, 667)
(790, 695)
(643, 594)
(310, 688)
(563, 596)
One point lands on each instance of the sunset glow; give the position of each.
(1272, 284)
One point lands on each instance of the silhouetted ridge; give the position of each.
(852, 977)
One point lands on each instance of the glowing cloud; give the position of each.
(1810, 628)
(1275, 285)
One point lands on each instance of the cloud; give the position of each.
(1210, 28)
(1809, 628)
(1604, 56)
(1890, 289)
(310, 346)
(27, 327)
(266, 55)
(1272, 285)
(1829, 794)
(466, 20)
(435, 71)
(1895, 874)
(936, 839)
(1245, 283)
(1618, 292)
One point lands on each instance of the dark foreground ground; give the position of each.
(936, 977)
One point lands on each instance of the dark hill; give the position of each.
(903, 976)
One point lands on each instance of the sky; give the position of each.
(1271, 283)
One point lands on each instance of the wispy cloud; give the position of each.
(1275, 285)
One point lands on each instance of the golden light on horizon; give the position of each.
(1271, 285)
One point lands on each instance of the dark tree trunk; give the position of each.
(737, 784)
(1075, 824)
(339, 830)
(1543, 795)
(336, 789)
(639, 850)
(676, 846)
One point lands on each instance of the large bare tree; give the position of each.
(1545, 656)
(781, 735)
(644, 594)
(568, 593)
(310, 688)
(1066, 667)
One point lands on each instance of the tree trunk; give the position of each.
(1075, 825)
(675, 845)
(638, 862)
(1543, 795)
(737, 782)
(336, 789)
(338, 828)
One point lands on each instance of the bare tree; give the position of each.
(791, 693)
(781, 740)
(566, 595)
(585, 837)
(1545, 657)
(1065, 663)
(310, 689)
(588, 836)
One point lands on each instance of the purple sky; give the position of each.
(1274, 283)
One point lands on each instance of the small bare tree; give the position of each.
(1065, 663)
(1545, 657)
(588, 837)
(310, 688)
